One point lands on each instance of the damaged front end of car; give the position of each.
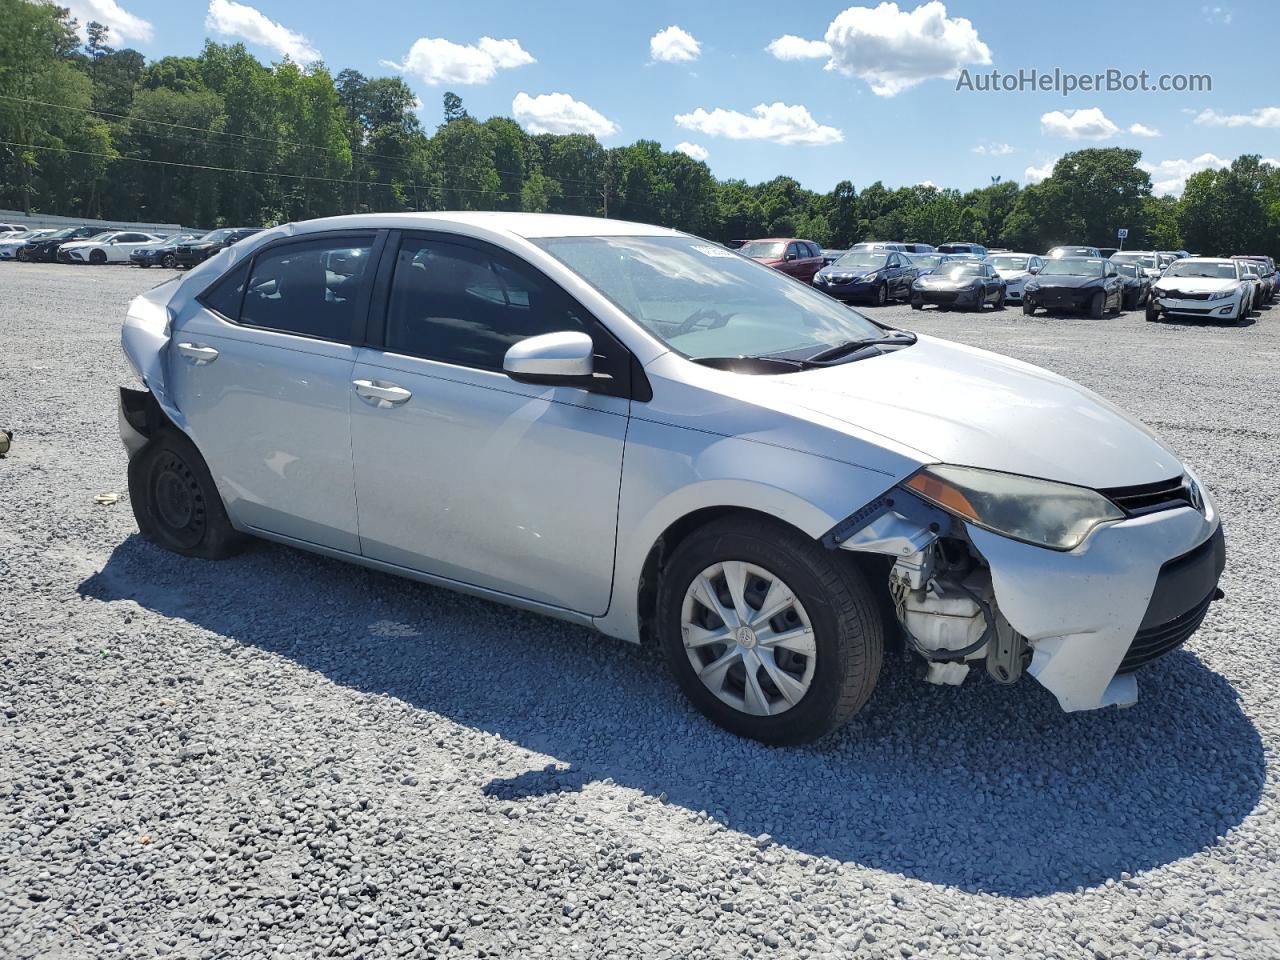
(1017, 575)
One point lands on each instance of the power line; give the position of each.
(269, 173)
(246, 136)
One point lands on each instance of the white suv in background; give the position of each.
(1015, 270)
(1145, 260)
(1210, 287)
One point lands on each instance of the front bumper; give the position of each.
(1134, 590)
(1198, 308)
(849, 290)
(1070, 298)
(944, 297)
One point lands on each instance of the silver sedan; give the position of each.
(638, 430)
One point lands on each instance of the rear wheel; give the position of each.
(769, 634)
(175, 502)
(169, 261)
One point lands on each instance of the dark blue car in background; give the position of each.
(865, 275)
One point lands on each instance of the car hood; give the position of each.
(854, 273)
(1195, 284)
(961, 405)
(1013, 274)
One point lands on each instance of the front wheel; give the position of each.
(169, 261)
(917, 304)
(1000, 301)
(98, 257)
(1153, 312)
(1097, 305)
(882, 294)
(769, 634)
(175, 501)
(1028, 308)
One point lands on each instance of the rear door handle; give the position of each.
(198, 353)
(380, 393)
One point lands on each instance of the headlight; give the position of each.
(1221, 295)
(1032, 286)
(869, 278)
(1054, 515)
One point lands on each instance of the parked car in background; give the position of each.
(1210, 287)
(162, 254)
(1166, 257)
(926, 263)
(831, 256)
(1257, 286)
(1015, 270)
(1137, 285)
(1108, 252)
(801, 259)
(45, 249)
(867, 275)
(963, 246)
(919, 247)
(198, 251)
(11, 228)
(968, 284)
(675, 445)
(112, 247)
(1145, 260)
(1267, 268)
(879, 246)
(1057, 253)
(1091, 284)
(10, 244)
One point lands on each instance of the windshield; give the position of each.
(763, 249)
(705, 301)
(1204, 269)
(217, 235)
(960, 270)
(927, 259)
(1010, 263)
(1073, 267)
(861, 259)
(58, 235)
(1128, 269)
(1141, 259)
(1058, 252)
(955, 248)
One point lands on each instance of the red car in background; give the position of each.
(797, 258)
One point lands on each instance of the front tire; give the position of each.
(769, 634)
(175, 501)
(1097, 305)
(1028, 307)
(882, 294)
(1000, 301)
(97, 257)
(1153, 312)
(169, 261)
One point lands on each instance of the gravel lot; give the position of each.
(284, 755)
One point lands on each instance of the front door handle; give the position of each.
(380, 393)
(198, 353)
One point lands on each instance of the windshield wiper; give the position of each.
(748, 364)
(893, 338)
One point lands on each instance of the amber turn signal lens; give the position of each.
(938, 491)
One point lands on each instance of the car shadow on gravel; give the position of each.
(983, 787)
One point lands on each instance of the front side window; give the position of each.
(468, 306)
(704, 301)
(312, 288)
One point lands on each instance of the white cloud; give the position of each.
(1271, 160)
(894, 50)
(1087, 124)
(791, 47)
(1142, 130)
(559, 113)
(435, 61)
(1221, 15)
(776, 122)
(993, 150)
(1262, 117)
(674, 45)
(1042, 172)
(1170, 176)
(125, 27)
(927, 183)
(692, 150)
(233, 19)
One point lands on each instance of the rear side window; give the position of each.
(313, 288)
(225, 295)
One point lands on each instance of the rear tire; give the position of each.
(844, 634)
(169, 261)
(175, 501)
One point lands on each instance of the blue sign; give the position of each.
(1122, 233)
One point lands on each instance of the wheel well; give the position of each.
(873, 566)
(143, 412)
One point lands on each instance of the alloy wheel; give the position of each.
(748, 638)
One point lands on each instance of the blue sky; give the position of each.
(864, 92)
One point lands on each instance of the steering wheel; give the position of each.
(704, 317)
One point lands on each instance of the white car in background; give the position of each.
(1211, 287)
(9, 243)
(1015, 269)
(8, 229)
(1145, 260)
(107, 247)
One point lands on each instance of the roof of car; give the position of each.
(527, 225)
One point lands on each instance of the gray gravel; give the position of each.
(280, 755)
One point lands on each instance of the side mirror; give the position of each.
(791, 256)
(1034, 270)
(565, 359)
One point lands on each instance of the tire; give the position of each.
(22, 255)
(98, 257)
(1097, 305)
(1153, 312)
(846, 632)
(169, 261)
(1028, 307)
(882, 294)
(1000, 301)
(175, 501)
(144, 265)
(917, 304)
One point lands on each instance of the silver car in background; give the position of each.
(640, 431)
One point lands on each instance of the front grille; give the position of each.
(1154, 642)
(1147, 498)
(1185, 295)
(940, 296)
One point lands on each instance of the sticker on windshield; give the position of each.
(707, 250)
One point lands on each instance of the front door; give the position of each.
(262, 373)
(465, 474)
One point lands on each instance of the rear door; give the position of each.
(262, 367)
(465, 474)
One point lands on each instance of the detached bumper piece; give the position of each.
(1169, 621)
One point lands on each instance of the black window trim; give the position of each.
(633, 385)
(360, 323)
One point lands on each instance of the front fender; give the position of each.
(671, 472)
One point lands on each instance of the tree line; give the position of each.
(223, 139)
